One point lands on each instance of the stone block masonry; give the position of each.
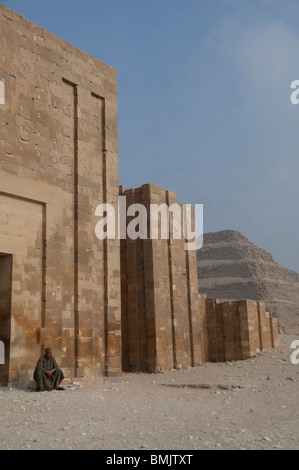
(58, 161)
(102, 305)
(165, 322)
(236, 330)
(160, 314)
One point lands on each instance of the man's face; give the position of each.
(48, 353)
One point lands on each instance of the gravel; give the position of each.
(250, 404)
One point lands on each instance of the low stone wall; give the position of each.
(235, 330)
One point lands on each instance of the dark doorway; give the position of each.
(5, 314)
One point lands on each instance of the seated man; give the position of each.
(47, 375)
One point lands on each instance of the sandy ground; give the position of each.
(250, 404)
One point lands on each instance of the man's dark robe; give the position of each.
(44, 382)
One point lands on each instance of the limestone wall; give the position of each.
(58, 153)
(160, 314)
(165, 323)
(236, 330)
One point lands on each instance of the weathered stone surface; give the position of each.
(58, 162)
(237, 330)
(160, 310)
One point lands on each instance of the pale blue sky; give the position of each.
(204, 102)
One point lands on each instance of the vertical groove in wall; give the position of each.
(44, 272)
(171, 292)
(124, 303)
(76, 225)
(259, 327)
(236, 332)
(137, 318)
(189, 307)
(212, 330)
(105, 241)
(141, 296)
(216, 332)
(131, 304)
(241, 332)
(150, 292)
(145, 354)
(104, 185)
(76, 230)
(220, 332)
(106, 319)
(140, 310)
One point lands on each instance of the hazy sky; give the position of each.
(204, 103)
